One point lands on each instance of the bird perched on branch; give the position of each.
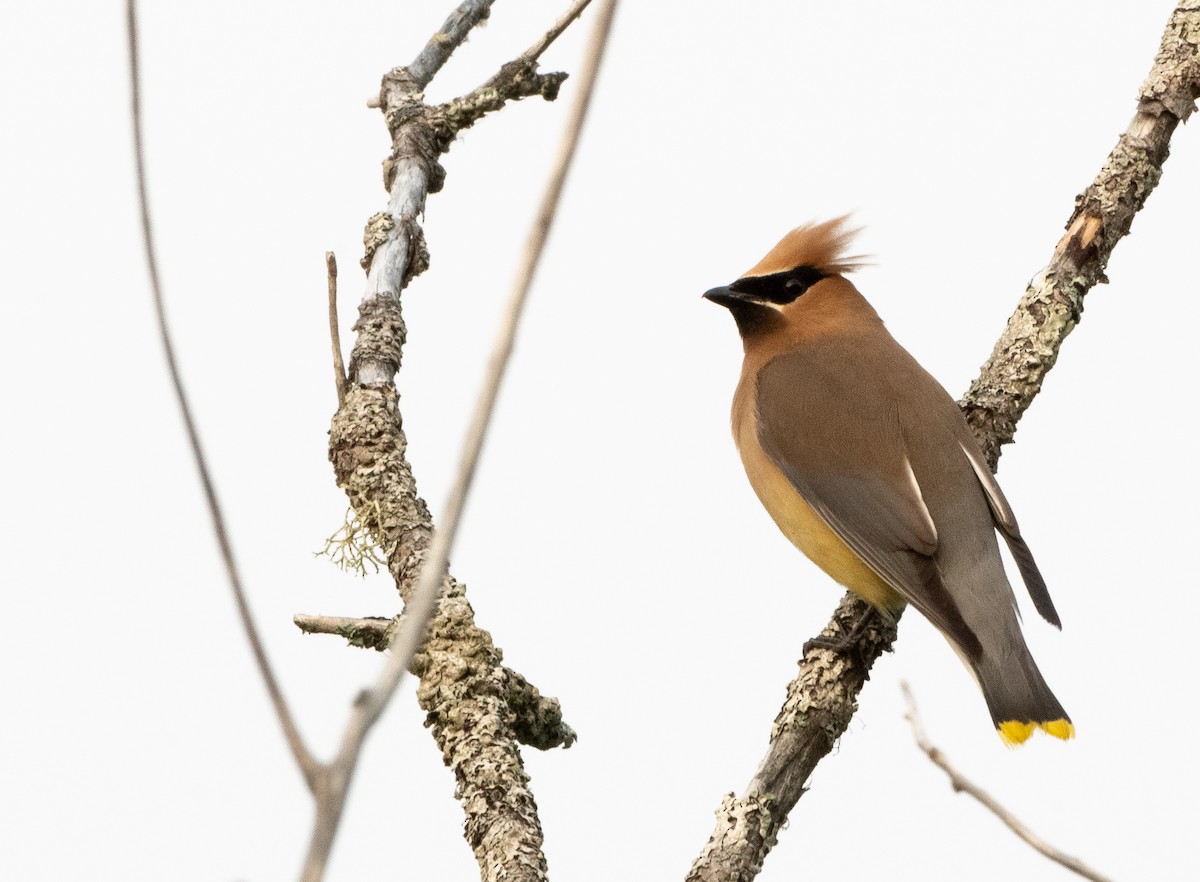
(868, 466)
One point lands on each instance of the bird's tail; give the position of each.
(1018, 697)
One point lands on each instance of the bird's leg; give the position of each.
(841, 644)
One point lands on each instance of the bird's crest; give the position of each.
(821, 246)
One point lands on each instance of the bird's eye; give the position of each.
(794, 284)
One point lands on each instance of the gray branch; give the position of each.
(823, 698)
(537, 719)
(1053, 303)
(454, 31)
(476, 709)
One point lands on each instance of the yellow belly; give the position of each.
(804, 527)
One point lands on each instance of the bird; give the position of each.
(868, 466)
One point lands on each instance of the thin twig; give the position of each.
(369, 633)
(515, 80)
(304, 759)
(372, 702)
(534, 52)
(961, 784)
(335, 335)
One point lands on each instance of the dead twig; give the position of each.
(372, 632)
(515, 80)
(534, 52)
(962, 784)
(422, 602)
(335, 335)
(419, 610)
(536, 720)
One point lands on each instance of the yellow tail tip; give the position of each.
(1014, 732)
(1063, 729)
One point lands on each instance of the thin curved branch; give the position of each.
(823, 698)
(962, 784)
(304, 760)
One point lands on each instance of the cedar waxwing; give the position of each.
(867, 465)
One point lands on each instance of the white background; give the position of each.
(612, 546)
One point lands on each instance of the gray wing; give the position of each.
(858, 478)
(1006, 522)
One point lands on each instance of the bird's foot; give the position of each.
(846, 641)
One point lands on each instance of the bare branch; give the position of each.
(420, 609)
(441, 45)
(962, 785)
(1053, 303)
(373, 632)
(820, 704)
(534, 52)
(1051, 307)
(513, 852)
(335, 335)
(537, 720)
(395, 245)
(517, 79)
(304, 760)
(394, 242)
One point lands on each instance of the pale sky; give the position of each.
(612, 546)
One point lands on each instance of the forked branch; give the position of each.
(472, 713)
(400, 522)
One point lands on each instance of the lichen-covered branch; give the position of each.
(1053, 303)
(820, 703)
(372, 632)
(537, 719)
(475, 707)
(823, 698)
(395, 243)
(517, 79)
(463, 687)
